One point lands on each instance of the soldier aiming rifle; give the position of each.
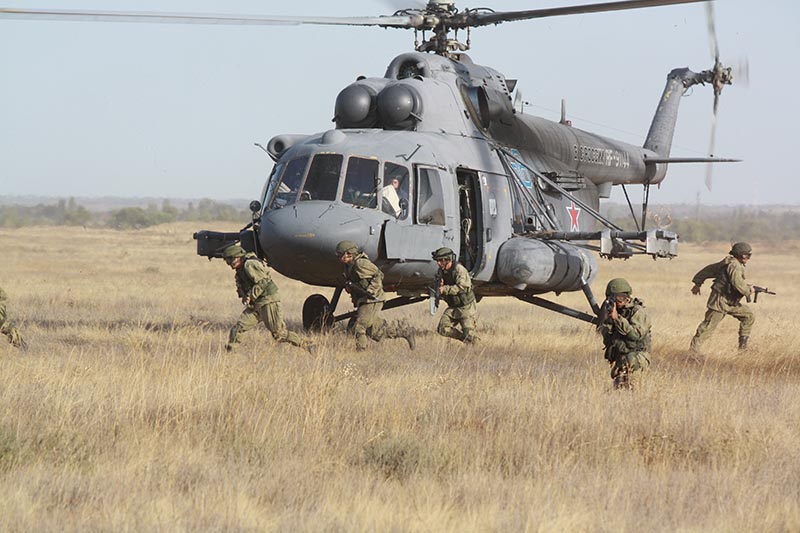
(626, 333)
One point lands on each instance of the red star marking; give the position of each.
(574, 213)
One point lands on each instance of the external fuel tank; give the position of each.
(534, 264)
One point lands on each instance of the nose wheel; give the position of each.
(317, 314)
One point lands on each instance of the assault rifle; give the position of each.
(435, 292)
(352, 288)
(605, 311)
(758, 290)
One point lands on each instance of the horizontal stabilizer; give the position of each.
(653, 160)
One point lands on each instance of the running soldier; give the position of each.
(364, 283)
(6, 329)
(455, 287)
(260, 296)
(727, 291)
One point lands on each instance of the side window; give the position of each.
(286, 191)
(323, 177)
(430, 199)
(394, 193)
(361, 183)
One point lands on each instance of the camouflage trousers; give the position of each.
(10, 332)
(464, 317)
(625, 364)
(370, 325)
(742, 313)
(272, 317)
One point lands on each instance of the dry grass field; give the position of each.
(127, 413)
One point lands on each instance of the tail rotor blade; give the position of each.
(741, 73)
(710, 166)
(712, 32)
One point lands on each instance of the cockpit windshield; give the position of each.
(361, 182)
(323, 178)
(283, 189)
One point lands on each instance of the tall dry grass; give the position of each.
(127, 414)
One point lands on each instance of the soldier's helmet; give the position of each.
(233, 251)
(443, 253)
(618, 286)
(346, 246)
(741, 248)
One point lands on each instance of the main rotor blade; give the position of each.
(198, 18)
(483, 19)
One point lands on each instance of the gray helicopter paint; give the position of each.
(447, 114)
(544, 266)
(295, 237)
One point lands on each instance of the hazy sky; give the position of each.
(129, 109)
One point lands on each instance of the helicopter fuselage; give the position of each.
(440, 127)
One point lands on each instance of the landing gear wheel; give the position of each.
(317, 315)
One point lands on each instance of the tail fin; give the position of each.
(659, 138)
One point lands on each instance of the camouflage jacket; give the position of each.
(3, 300)
(363, 273)
(629, 332)
(729, 284)
(254, 282)
(457, 290)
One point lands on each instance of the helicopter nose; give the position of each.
(300, 240)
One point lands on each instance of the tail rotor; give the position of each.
(718, 77)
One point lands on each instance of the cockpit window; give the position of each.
(361, 183)
(430, 197)
(287, 186)
(270, 184)
(323, 178)
(394, 194)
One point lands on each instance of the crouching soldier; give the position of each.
(6, 329)
(455, 287)
(626, 333)
(727, 291)
(260, 296)
(364, 283)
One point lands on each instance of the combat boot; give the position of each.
(743, 342)
(409, 334)
(17, 341)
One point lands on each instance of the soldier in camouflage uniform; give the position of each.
(260, 296)
(455, 287)
(6, 329)
(364, 283)
(626, 334)
(726, 293)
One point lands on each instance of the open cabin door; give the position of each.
(470, 216)
(433, 223)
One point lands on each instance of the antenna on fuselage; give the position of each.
(519, 103)
(564, 120)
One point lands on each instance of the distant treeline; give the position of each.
(70, 213)
(692, 224)
(731, 225)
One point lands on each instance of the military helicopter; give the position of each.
(437, 152)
